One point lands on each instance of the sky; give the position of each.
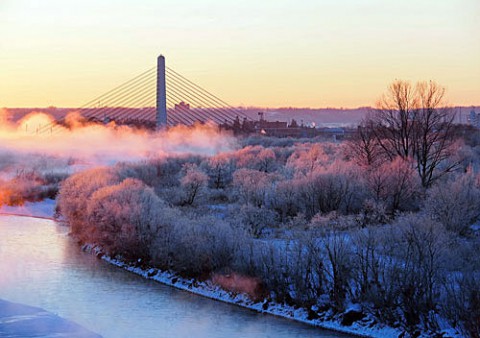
(267, 53)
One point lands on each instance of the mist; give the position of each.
(95, 144)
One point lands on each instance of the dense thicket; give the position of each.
(386, 220)
(317, 227)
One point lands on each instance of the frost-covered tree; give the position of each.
(338, 257)
(253, 186)
(285, 199)
(193, 183)
(220, 170)
(322, 192)
(421, 251)
(308, 158)
(266, 160)
(203, 245)
(413, 122)
(395, 184)
(253, 219)
(455, 203)
(75, 194)
(125, 217)
(363, 146)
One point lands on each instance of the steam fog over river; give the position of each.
(41, 266)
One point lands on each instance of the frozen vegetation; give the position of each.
(304, 224)
(377, 231)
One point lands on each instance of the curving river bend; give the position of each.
(41, 266)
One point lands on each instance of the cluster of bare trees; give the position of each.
(413, 123)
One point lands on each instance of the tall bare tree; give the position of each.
(434, 137)
(413, 122)
(393, 121)
(363, 146)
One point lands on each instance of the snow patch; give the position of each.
(210, 290)
(42, 209)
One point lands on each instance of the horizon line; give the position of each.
(247, 107)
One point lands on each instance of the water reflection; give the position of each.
(41, 266)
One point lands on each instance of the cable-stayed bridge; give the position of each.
(157, 98)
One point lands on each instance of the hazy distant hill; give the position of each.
(319, 116)
(322, 116)
(334, 116)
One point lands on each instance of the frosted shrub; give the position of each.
(266, 161)
(75, 194)
(323, 192)
(310, 157)
(125, 217)
(421, 249)
(193, 184)
(252, 186)
(373, 213)
(396, 185)
(367, 261)
(338, 260)
(219, 169)
(269, 262)
(253, 219)
(144, 171)
(247, 157)
(203, 245)
(332, 221)
(285, 199)
(463, 303)
(455, 204)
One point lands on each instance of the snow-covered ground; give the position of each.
(364, 328)
(43, 209)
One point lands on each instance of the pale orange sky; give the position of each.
(318, 53)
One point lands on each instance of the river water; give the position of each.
(41, 266)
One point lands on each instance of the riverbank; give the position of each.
(361, 327)
(352, 321)
(42, 266)
(44, 209)
(19, 320)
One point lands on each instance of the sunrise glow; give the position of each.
(268, 53)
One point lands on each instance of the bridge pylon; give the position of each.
(161, 106)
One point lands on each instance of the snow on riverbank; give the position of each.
(43, 209)
(366, 327)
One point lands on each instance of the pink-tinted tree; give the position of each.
(75, 194)
(252, 186)
(220, 169)
(193, 183)
(125, 217)
(395, 184)
(455, 203)
(411, 122)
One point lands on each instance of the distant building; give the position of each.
(272, 128)
(182, 106)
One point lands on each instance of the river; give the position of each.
(41, 266)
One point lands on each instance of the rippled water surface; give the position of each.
(41, 266)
